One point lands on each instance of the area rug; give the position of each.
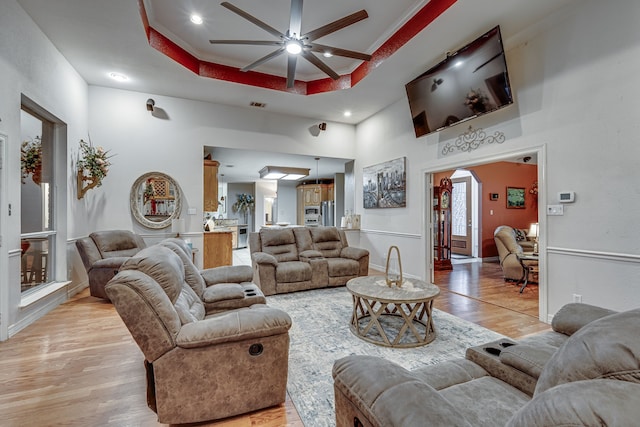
(320, 335)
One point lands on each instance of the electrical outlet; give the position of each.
(577, 298)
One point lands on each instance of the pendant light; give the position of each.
(317, 189)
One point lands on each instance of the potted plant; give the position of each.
(93, 166)
(244, 204)
(31, 160)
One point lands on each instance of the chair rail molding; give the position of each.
(581, 253)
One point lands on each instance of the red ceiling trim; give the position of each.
(173, 51)
(145, 18)
(252, 78)
(410, 29)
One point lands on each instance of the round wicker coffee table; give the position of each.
(392, 316)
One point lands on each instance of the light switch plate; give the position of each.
(191, 211)
(555, 210)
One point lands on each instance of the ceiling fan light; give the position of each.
(327, 54)
(294, 47)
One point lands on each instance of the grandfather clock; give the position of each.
(442, 225)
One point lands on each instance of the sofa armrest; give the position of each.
(309, 255)
(388, 395)
(353, 253)
(237, 325)
(109, 263)
(264, 258)
(574, 316)
(227, 274)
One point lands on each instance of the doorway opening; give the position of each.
(477, 271)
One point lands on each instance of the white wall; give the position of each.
(576, 85)
(31, 66)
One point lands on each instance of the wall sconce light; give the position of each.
(150, 104)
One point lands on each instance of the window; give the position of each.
(38, 231)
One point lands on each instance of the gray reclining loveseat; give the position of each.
(586, 372)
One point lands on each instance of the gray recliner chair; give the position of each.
(103, 252)
(508, 251)
(219, 288)
(200, 366)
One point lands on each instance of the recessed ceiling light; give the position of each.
(347, 113)
(118, 77)
(196, 19)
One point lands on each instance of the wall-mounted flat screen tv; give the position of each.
(468, 83)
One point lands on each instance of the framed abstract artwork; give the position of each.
(385, 185)
(515, 198)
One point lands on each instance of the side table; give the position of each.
(529, 264)
(392, 316)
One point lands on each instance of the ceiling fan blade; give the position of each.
(268, 28)
(291, 70)
(295, 20)
(336, 25)
(320, 48)
(263, 59)
(321, 65)
(250, 42)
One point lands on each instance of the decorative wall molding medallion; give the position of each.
(473, 139)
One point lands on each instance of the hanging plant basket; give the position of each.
(31, 160)
(93, 166)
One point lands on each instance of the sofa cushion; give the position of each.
(162, 265)
(293, 271)
(339, 267)
(191, 274)
(188, 306)
(327, 241)
(223, 291)
(117, 243)
(521, 235)
(582, 403)
(279, 243)
(605, 348)
(526, 358)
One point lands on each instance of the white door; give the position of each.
(461, 219)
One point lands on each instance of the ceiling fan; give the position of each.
(298, 44)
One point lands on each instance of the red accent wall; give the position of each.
(495, 178)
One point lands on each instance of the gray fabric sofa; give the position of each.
(585, 372)
(204, 360)
(300, 258)
(103, 252)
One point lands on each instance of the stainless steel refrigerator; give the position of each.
(327, 212)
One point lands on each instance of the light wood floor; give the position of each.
(78, 365)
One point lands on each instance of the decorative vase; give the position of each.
(393, 272)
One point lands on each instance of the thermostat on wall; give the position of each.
(566, 197)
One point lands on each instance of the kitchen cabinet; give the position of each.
(217, 249)
(330, 193)
(314, 194)
(210, 185)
